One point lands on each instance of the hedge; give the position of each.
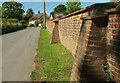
(11, 25)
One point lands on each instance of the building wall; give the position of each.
(32, 22)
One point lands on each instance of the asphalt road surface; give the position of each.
(18, 51)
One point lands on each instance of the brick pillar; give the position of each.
(113, 46)
(55, 34)
(81, 51)
(91, 51)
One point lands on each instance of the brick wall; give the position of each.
(69, 31)
(50, 26)
(91, 36)
(81, 51)
(113, 46)
(91, 53)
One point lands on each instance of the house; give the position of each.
(55, 15)
(37, 17)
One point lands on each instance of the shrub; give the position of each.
(8, 27)
(118, 5)
(30, 25)
(24, 23)
(38, 22)
(10, 20)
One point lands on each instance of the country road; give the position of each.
(18, 51)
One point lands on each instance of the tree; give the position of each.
(0, 11)
(60, 8)
(72, 6)
(12, 9)
(38, 22)
(118, 5)
(29, 14)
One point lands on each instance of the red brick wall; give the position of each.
(91, 53)
(50, 26)
(81, 51)
(113, 48)
(91, 41)
(69, 31)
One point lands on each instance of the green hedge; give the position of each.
(10, 20)
(11, 25)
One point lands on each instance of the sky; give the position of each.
(57, 0)
(49, 7)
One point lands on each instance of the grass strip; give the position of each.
(53, 62)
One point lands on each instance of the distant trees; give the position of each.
(12, 9)
(12, 17)
(118, 5)
(60, 8)
(72, 6)
(29, 14)
(0, 12)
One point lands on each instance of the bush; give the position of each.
(30, 25)
(10, 20)
(38, 22)
(118, 5)
(24, 23)
(0, 26)
(8, 27)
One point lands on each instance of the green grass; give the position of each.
(53, 61)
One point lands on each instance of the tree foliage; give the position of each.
(60, 8)
(118, 5)
(12, 10)
(38, 22)
(29, 14)
(0, 12)
(72, 6)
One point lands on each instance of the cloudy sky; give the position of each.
(57, 0)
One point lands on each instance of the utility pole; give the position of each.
(44, 16)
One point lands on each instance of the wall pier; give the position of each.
(55, 34)
(90, 54)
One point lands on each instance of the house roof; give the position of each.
(56, 14)
(38, 17)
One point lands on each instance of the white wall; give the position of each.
(32, 22)
(51, 17)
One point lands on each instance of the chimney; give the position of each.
(38, 12)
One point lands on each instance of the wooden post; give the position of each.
(44, 16)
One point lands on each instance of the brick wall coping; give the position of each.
(107, 7)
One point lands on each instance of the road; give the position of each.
(18, 51)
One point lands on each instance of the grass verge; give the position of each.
(53, 62)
